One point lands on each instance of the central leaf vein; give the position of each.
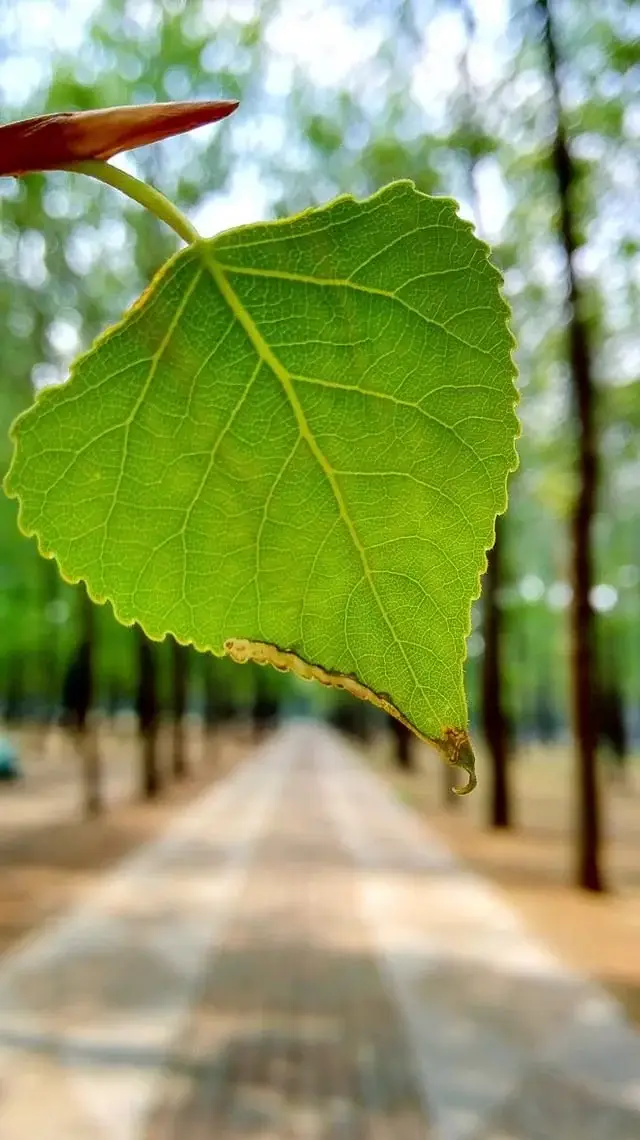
(271, 360)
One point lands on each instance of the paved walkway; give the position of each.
(296, 959)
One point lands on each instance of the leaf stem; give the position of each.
(140, 192)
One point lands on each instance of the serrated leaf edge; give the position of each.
(454, 744)
(450, 735)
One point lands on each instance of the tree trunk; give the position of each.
(495, 725)
(209, 692)
(493, 717)
(92, 771)
(77, 699)
(265, 704)
(48, 654)
(589, 830)
(403, 738)
(147, 710)
(210, 709)
(180, 674)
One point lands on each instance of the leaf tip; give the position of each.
(458, 752)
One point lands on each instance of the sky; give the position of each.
(317, 38)
(306, 35)
(320, 39)
(303, 36)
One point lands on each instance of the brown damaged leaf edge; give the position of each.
(50, 142)
(453, 744)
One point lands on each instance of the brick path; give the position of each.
(296, 1034)
(296, 959)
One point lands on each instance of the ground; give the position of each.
(533, 863)
(286, 951)
(50, 856)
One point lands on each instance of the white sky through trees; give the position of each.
(320, 41)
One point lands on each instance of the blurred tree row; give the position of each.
(525, 112)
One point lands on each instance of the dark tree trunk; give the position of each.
(77, 699)
(352, 716)
(403, 739)
(265, 704)
(589, 829)
(180, 676)
(209, 692)
(494, 720)
(219, 709)
(210, 708)
(493, 716)
(147, 710)
(49, 656)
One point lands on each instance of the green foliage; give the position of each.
(299, 438)
(354, 134)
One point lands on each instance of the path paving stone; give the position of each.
(299, 959)
(296, 1034)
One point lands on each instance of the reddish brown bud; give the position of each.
(49, 142)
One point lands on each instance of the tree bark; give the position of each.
(210, 709)
(210, 694)
(92, 772)
(589, 828)
(495, 725)
(48, 655)
(265, 704)
(493, 714)
(403, 738)
(77, 700)
(147, 710)
(180, 675)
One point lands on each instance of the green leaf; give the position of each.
(294, 447)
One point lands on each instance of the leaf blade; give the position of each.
(295, 409)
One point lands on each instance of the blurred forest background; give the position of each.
(527, 112)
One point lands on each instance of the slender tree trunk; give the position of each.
(493, 714)
(210, 707)
(147, 709)
(403, 739)
(589, 829)
(495, 726)
(92, 771)
(180, 674)
(265, 704)
(77, 701)
(49, 650)
(94, 802)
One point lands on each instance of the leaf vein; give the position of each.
(265, 352)
(345, 283)
(155, 361)
(401, 403)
